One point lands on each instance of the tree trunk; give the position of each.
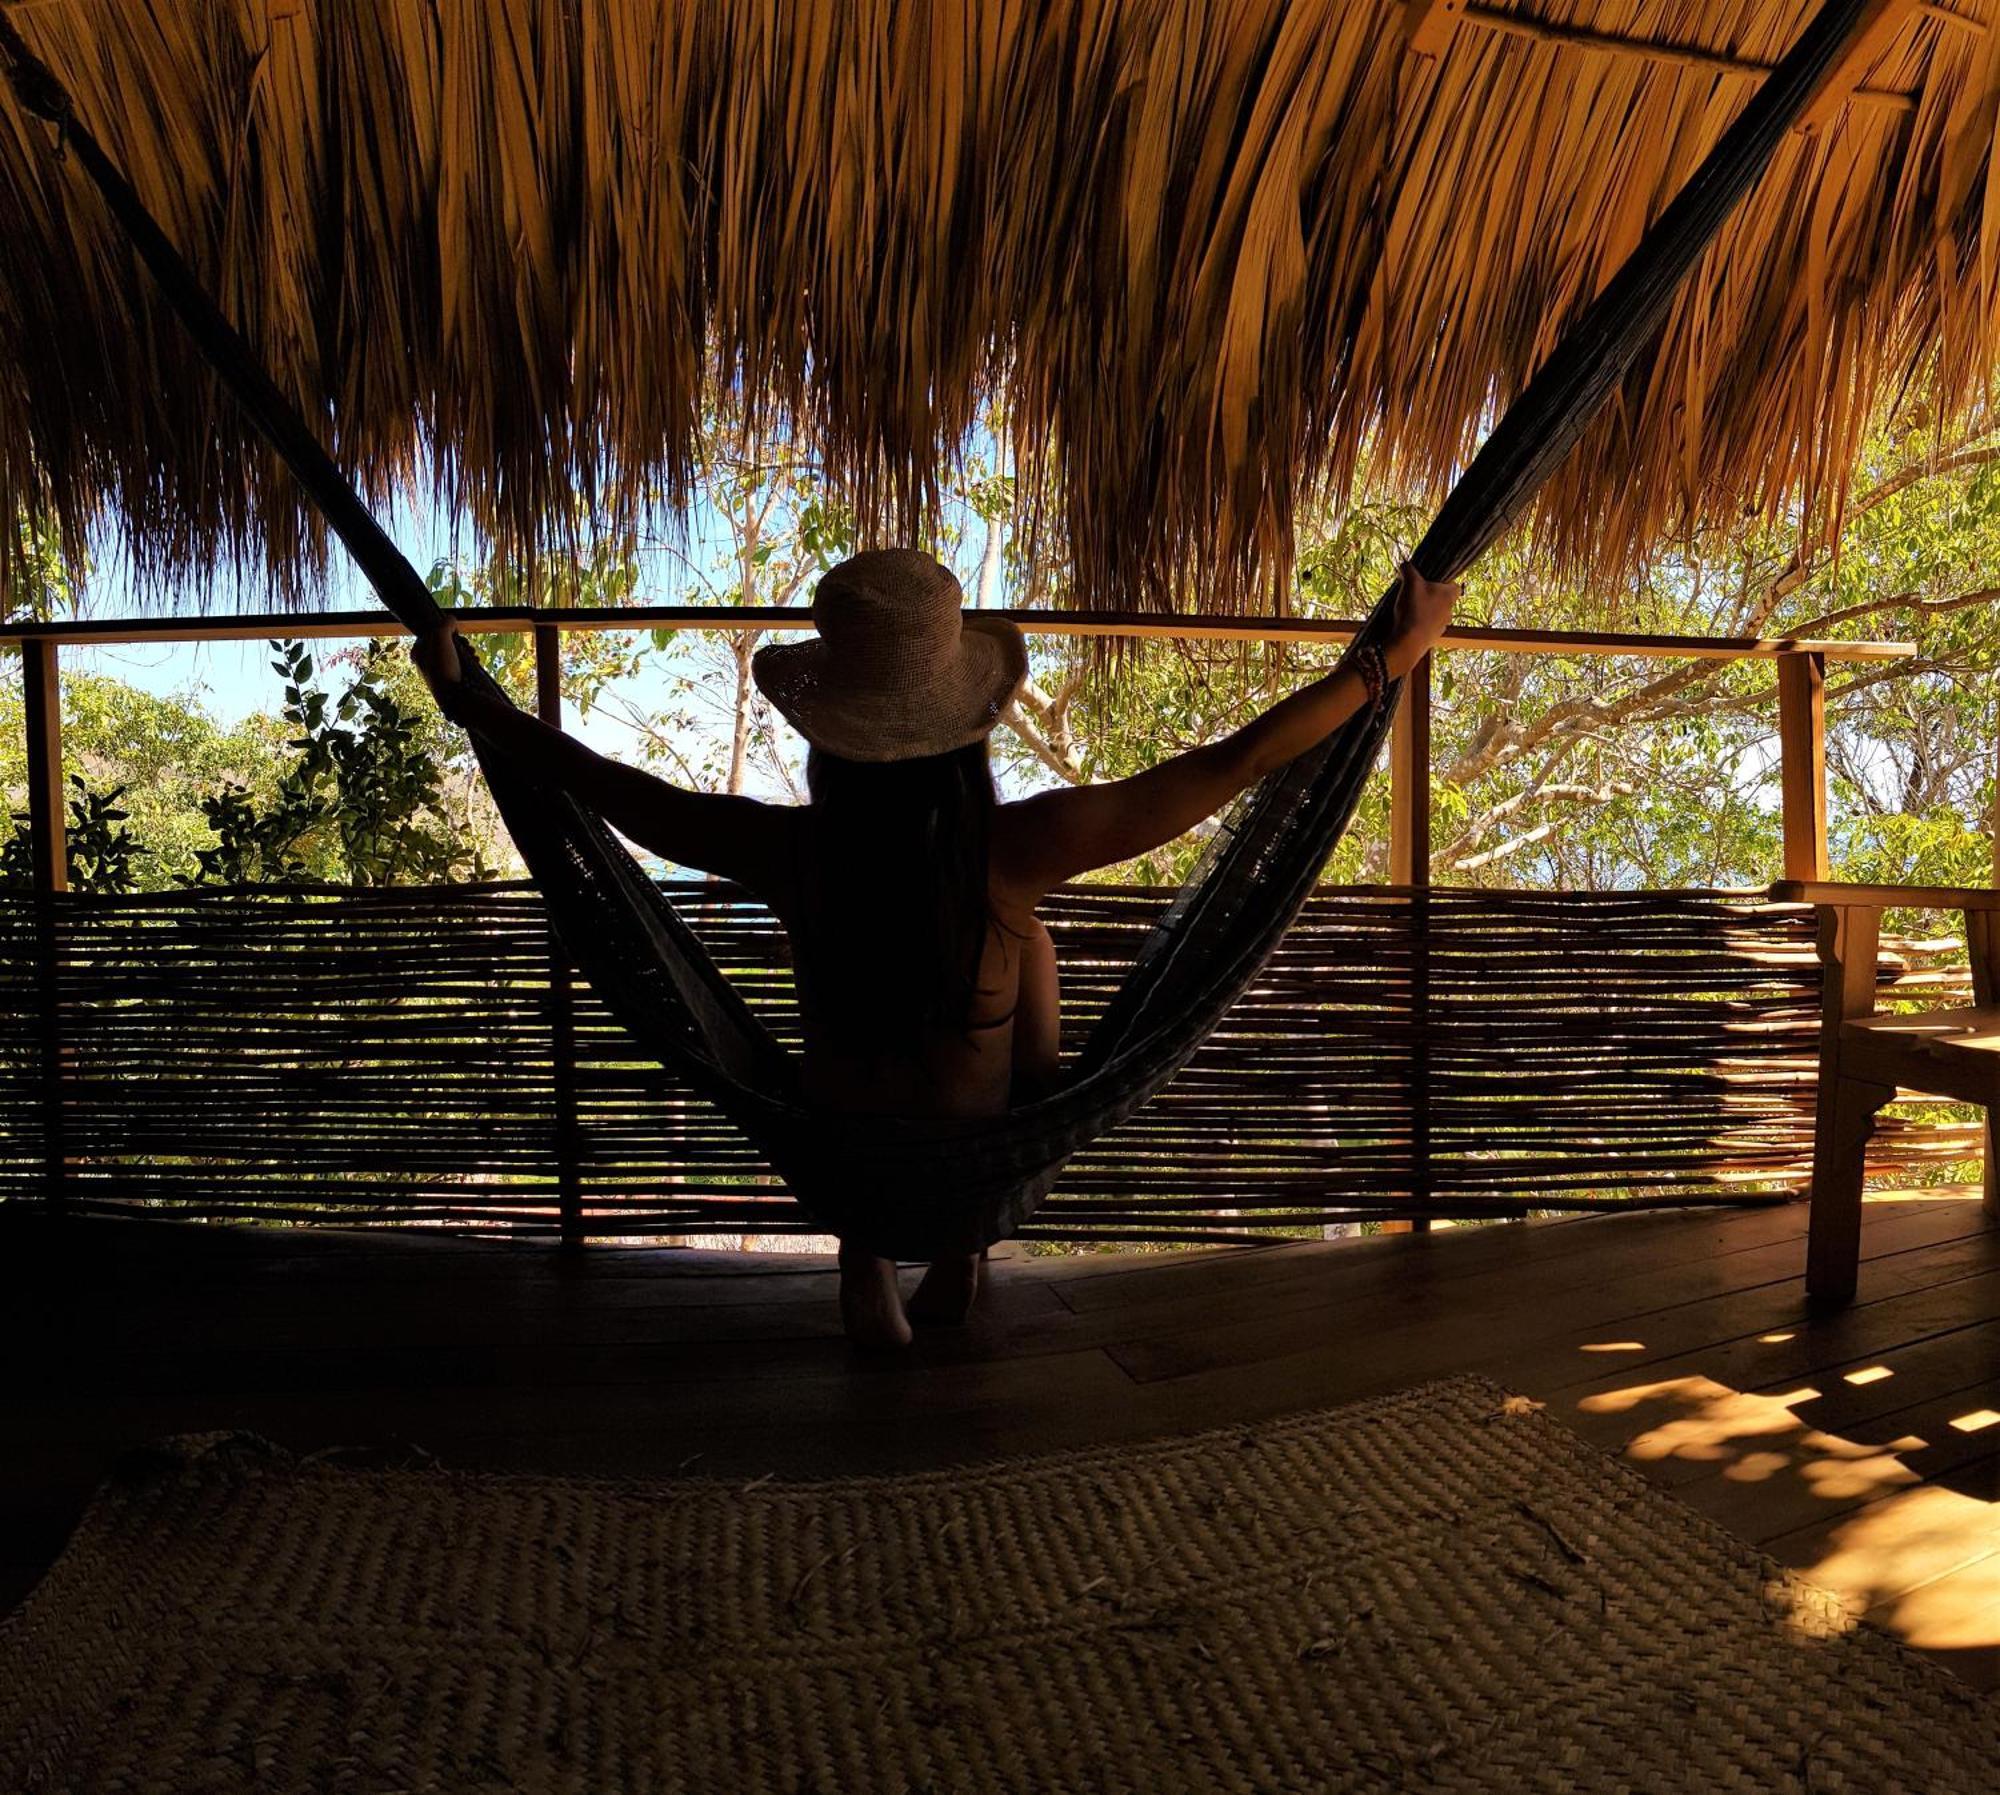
(986, 590)
(744, 646)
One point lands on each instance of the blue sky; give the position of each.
(233, 679)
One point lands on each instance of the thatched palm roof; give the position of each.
(1201, 249)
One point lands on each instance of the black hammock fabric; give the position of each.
(918, 1188)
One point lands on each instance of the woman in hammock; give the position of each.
(926, 984)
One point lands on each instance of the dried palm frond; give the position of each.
(1199, 250)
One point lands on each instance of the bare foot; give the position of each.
(945, 1297)
(871, 1304)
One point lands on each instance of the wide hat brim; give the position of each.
(951, 703)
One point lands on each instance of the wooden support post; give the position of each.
(562, 994)
(548, 674)
(1845, 1108)
(1802, 762)
(41, 705)
(1877, 29)
(1427, 24)
(1410, 864)
(48, 847)
(1982, 951)
(1410, 781)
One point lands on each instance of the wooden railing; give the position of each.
(1428, 1055)
(1800, 688)
(396, 1055)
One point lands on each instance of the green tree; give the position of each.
(1591, 770)
(103, 857)
(40, 581)
(762, 530)
(164, 753)
(359, 798)
(601, 577)
(768, 530)
(1090, 712)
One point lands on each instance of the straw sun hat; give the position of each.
(898, 670)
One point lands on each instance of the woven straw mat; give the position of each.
(1437, 1591)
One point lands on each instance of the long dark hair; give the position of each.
(897, 911)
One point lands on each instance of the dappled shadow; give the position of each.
(1896, 1517)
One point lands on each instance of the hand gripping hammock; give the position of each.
(913, 1187)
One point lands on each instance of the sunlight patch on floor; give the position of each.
(1919, 1560)
(1925, 1564)
(1700, 1419)
(1956, 1613)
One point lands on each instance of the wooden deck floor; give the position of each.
(1862, 1447)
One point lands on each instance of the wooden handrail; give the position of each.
(1177, 626)
(1800, 666)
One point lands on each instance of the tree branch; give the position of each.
(1041, 723)
(1580, 796)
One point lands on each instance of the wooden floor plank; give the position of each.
(515, 1357)
(1796, 1480)
(546, 1313)
(1442, 1254)
(1691, 1423)
(1534, 1300)
(1945, 1291)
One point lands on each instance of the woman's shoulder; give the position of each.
(1033, 839)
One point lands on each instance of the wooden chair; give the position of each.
(1865, 1059)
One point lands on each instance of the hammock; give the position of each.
(920, 1188)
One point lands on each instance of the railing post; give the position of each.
(562, 996)
(1802, 762)
(41, 706)
(48, 845)
(1410, 864)
(1410, 781)
(1994, 819)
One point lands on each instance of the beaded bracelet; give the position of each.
(1374, 671)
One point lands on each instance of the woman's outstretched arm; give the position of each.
(1062, 834)
(734, 838)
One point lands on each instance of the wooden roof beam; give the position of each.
(1428, 26)
(1945, 15)
(1879, 27)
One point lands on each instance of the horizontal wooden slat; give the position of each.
(387, 1056)
(1137, 626)
(1951, 1052)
